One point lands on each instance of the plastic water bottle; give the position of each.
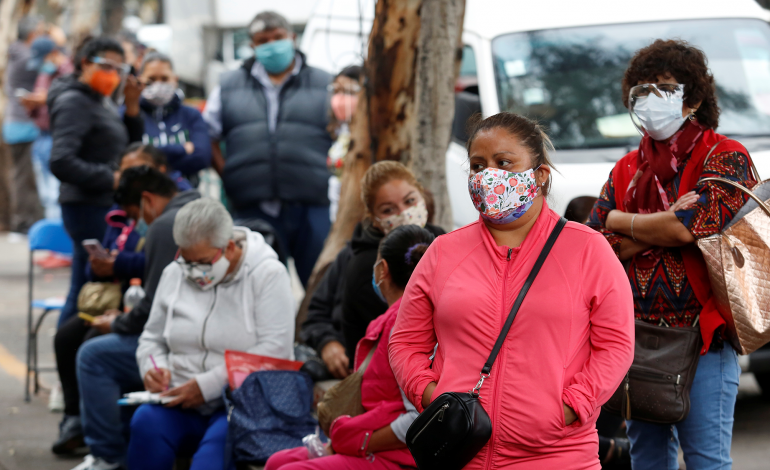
(133, 295)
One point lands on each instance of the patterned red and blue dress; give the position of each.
(662, 292)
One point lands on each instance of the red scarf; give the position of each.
(656, 164)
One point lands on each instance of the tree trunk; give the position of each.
(438, 63)
(382, 125)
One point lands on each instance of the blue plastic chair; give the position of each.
(44, 235)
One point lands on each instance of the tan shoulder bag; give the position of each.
(345, 397)
(738, 259)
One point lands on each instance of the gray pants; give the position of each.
(24, 201)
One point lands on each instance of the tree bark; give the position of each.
(382, 125)
(438, 63)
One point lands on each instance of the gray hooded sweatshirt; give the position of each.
(251, 310)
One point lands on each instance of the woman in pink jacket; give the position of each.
(573, 338)
(376, 439)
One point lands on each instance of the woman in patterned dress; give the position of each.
(652, 210)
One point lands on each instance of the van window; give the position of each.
(569, 79)
(468, 64)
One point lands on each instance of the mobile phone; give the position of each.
(86, 317)
(95, 248)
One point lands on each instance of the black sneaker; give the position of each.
(70, 437)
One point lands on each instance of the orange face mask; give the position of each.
(105, 82)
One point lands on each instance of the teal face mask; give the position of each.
(276, 56)
(48, 68)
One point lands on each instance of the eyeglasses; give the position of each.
(110, 65)
(202, 266)
(662, 90)
(349, 90)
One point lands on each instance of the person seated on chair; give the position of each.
(226, 290)
(388, 413)
(125, 243)
(106, 366)
(125, 263)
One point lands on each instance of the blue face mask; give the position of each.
(48, 68)
(376, 285)
(276, 56)
(141, 227)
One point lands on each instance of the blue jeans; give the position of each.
(82, 221)
(302, 230)
(159, 435)
(106, 370)
(706, 434)
(47, 184)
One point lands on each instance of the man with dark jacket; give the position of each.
(272, 114)
(107, 364)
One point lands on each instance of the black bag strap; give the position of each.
(519, 300)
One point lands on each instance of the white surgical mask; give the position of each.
(159, 93)
(205, 275)
(661, 116)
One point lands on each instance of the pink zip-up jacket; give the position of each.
(572, 340)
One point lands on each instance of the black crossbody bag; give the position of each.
(454, 427)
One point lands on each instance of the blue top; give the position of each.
(169, 127)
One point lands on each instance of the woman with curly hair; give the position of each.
(652, 210)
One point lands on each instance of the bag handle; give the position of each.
(519, 300)
(743, 188)
(751, 161)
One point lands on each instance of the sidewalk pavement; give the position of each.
(27, 430)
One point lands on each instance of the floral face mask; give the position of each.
(415, 215)
(502, 196)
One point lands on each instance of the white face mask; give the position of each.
(204, 275)
(159, 93)
(661, 116)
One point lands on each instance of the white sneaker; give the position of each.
(56, 399)
(96, 463)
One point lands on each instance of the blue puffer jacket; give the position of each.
(169, 127)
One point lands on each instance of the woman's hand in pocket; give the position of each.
(569, 415)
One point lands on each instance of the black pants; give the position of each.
(70, 335)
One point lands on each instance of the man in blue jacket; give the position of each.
(177, 130)
(272, 115)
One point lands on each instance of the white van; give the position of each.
(562, 62)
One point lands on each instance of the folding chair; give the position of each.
(44, 235)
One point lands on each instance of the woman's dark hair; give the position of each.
(92, 47)
(402, 249)
(353, 72)
(529, 133)
(687, 65)
(156, 56)
(135, 181)
(156, 155)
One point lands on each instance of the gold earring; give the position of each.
(691, 117)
